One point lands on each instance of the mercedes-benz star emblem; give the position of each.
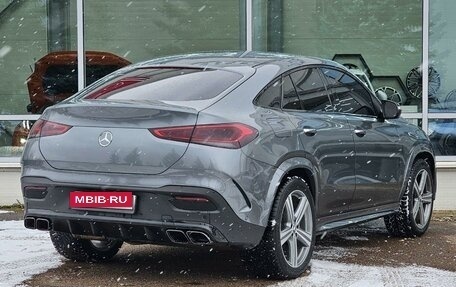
(105, 138)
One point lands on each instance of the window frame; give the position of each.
(264, 89)
(296, 93)
(376, 104)
(323, 81)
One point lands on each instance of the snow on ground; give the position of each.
(5, 211)
(327, 273)
(23, 253)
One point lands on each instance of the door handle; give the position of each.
(360, 132)
(309, 132)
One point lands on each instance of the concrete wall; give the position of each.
(10, 186)
(10, 191)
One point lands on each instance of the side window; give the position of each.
(311, 90)
(290, 98)
(348, 96)
(271, 96)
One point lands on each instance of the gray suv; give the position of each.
(257, 151)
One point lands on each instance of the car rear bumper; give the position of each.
(158, 217)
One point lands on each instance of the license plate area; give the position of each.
(104, 201)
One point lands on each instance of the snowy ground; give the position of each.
(326, 273)
(24, 253)
(28, 252)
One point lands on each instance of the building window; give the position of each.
(144, 29)
(380, 41)
(31, 31)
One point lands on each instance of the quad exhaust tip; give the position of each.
(29, 222)
(198, 237)
(177, 236)
(37, 223)
(191, 236)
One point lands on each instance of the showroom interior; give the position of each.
(49, 49)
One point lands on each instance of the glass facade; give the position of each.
(442, 56)
(382, 42)
(29, 30)
(142, 29)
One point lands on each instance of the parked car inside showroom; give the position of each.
(55, 79)
(252, 150)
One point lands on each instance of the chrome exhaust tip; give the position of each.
(43, 224)
(177, 236)
(198, 237)
(29, 222)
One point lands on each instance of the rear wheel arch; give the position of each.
(296, 166)
(302, 172)
(273, 255)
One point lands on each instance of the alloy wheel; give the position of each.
(422, 198)
(296, 228)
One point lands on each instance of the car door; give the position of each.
(325, 137)
(379, 161)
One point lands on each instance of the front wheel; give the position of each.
(84, 250)
(416, 204)
(287, 245)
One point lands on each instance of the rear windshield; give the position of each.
(166, 84)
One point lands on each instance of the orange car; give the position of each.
(56, 78)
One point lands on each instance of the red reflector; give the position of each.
(98, 199)
(228, 135)
(191, 198)
(43, 128)
(35, 188)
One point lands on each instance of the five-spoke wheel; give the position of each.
(415, 211)
(422, 198)
(288, 242)
(296, 228)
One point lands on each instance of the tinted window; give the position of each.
(311, 90)
(290, 98)
(169, 84)
(348, 96)
(63, 79)
(271, 96)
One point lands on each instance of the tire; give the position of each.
(270, 258)
(84, 250)
(416, 204)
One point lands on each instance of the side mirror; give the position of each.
(390, 110)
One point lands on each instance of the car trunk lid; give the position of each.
(114, 137)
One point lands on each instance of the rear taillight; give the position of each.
(43, 128)
(230, 135)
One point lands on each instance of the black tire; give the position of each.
(405, 223)
(84, 250)
(268, 258)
